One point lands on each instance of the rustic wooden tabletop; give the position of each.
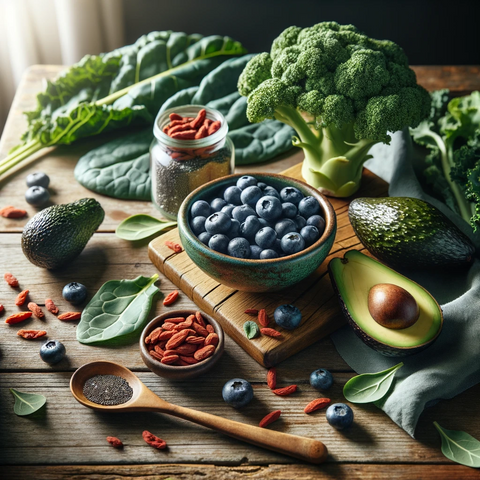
(66, 440)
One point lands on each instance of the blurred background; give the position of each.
(432, 32)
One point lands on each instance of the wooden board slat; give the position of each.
(314, 296)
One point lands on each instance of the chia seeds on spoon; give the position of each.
(107, 390)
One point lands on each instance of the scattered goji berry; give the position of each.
(153, 440)
(317, 404)
(270, 332)
(253, 312)
(263, 318)
(115, 442)
(35, 309)
(18, 317)
(285, 390)
(171, 298)
(31, 334)
(1, 308)
(272, 378)
(11, 280)
(270, 418)
(70, 316)
(21, 297)
(176, 247)
(50, 306)
(12, 212)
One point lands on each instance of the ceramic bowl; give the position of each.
(256, 275)
(174, 372)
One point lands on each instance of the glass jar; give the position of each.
(180, 166)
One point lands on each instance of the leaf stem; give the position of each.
(12, 160)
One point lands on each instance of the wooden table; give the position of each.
(68, 441)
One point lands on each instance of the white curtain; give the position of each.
(52, 32)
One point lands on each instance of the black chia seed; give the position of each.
(107, 390)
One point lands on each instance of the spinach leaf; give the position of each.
(459, 446)
(117, 311)
(370, 387)
(138, 227)
(27, 403)
(124, 87)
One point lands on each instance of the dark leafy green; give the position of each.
(117, 311)
(460, 447)
(138, 227)
(370, 387)
(124, 87)
(27, 403)
(251, 329)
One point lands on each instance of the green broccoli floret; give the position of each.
(341, 91)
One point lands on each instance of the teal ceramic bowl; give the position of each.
(256, 275)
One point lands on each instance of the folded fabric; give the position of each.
(451, 364)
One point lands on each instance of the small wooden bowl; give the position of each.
(174, 372)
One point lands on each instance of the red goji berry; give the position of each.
(70, 316)
(1, 308)
(169, 359)
(11, 280)
(115, 442)
(175, 116)
(253, 312)
(270, 418)
(202, 132)
(50, 306)
(272, 378)
(21, 297)
(270, 332)
(31, 334)
(176, 247)
(285, 390)
(317, 404)
(153, 440)
(200, 320)
(12, 212)
(263, 318)
(35, 309)
(171, 298)
(18, 317)
(214, 127)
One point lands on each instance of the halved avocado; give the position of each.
(353, 276)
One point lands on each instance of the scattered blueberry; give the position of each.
(255, 251)
(291, 194)
(205, 237)
(217, 204)
(289, 210)
(265, 237)
(339, 416)
(246, 181)
(269, 208)
(234, 230)
(321, 379)
(308, 206)
(241, 212)
(239, 248)
(74, 292)
(251, 195)
(218, 222)
(285, 226)
(287, 316)
(219, 243)
(37, 196)
(310, 234)
(237, 392)
(228, 209)
(38, 179)
(52, 352)
(268, 253)
(271, 192)
(300, 222)
(201, 208)
(250, 227)
(232, 195)
(198, 225)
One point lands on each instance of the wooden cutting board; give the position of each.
(314, 296)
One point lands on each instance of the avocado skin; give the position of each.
(406, 232)
(58, 234)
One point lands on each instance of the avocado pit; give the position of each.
(392, 306)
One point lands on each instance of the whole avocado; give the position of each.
(58, 234)
(406, 232)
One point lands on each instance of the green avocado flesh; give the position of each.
(356, 274)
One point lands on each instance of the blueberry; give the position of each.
(217, 204)
(277, 246)
(300, 222)
(228, 209)
(38, 179)
(250, 227)
(242, 212)
(321, 379)
(198, 225)
(310, 234)
(269, 208)
(308, 206)
(292, 243)
(37, 196)
(234, 230)
(251, 195)
(316, 221)
(74, 292)
(339, 416)
(52, 352)
(246, 181)
(289, 210)
(265, 237)
(205, 237)
(239, 248)
(218, 222)
(285, 226)
(237, 392)
(268, 253)
(232, 195)
(291, 194)
(287, 316)
(263, 222)
(201, 208)
(255, 251)
(219, 243)
(271, 192)
(261, 185)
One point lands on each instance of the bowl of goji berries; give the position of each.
(181, 344)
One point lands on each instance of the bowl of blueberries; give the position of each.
(257, 232)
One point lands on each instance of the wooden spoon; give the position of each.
(145, 400)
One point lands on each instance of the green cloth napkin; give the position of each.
(452, 363)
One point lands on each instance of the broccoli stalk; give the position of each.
(341, 91)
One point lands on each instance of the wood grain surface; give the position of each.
(67, 441)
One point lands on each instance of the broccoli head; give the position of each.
(341, 91)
